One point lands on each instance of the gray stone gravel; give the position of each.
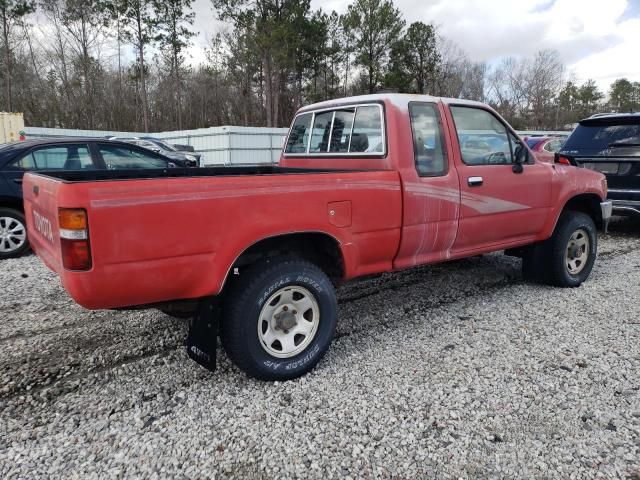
(457, 370)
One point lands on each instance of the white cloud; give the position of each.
(594, 37)
(205, 26)
(619, 60)
(597, 39)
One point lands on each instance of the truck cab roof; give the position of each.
(399, 99)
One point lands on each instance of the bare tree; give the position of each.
(506, 90)
(544, 80)
(174, 19)
(457, 76)
(139, 28)
(12, 13)
(83, 24)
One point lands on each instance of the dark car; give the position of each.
(182, 159)
(609, 143)
(181, 147)
(168, 149)
(78, 154)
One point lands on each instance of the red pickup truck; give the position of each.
(365, 185)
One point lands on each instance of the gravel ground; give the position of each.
(458, 370)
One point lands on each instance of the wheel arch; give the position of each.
(588, 203)
(12, 202)
(320, 248)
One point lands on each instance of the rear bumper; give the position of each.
(626, 207)
(624, 201)
(606, 208)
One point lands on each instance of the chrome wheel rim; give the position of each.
(288, 322)
(577, 251)
(13, 234)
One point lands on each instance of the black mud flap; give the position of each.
(203, 333)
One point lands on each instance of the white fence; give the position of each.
(218, 145)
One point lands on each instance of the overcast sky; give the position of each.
(597, 39)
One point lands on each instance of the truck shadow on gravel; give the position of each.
(366, 303)
(96, 342)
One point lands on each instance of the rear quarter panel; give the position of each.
(166, 239)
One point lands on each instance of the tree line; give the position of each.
(68, 64)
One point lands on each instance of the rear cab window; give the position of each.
(356, 130)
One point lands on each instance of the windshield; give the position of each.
(599, 137)
(532, 142)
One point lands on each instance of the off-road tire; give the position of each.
(546, 262)
(245, 300)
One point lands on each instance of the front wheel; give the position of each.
(279, 319)
(567, 258)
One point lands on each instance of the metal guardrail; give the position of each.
(543, 133)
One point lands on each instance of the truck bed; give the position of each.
(164, 235)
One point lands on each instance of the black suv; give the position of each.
(609, 143)
(57, 154)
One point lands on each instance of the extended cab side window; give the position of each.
(482, 137)
(123, 157)
(367, 133)
(68, 157)
(427, 140)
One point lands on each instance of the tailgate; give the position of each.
(41, 214)
(622, 174)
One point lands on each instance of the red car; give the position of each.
(544, 148)
(365, 185)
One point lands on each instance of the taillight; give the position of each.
(74, 238)
(562, 160)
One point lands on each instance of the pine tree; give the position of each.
(373, 26)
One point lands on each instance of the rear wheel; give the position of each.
(279, 318)
(13, 233)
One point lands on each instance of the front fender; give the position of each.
(573, 186)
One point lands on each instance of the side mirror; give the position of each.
(521, 157)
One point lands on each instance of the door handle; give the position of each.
(474, 181)
(18, 180)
